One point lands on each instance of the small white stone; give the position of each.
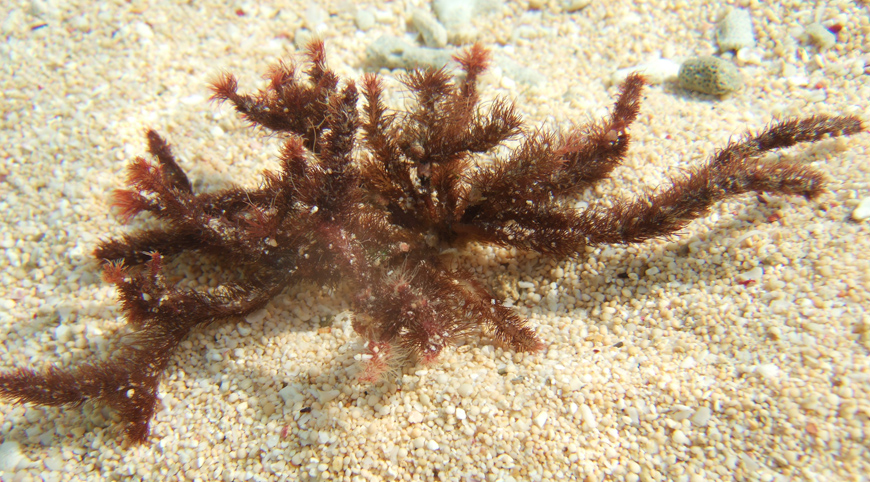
(64, 313)
(365, 19)
(53, 463)
(326, 396)
(862, 212)
(571, 6)
(40, 8)
(541, 419)
(465, 390)
(589, 422)
(821, 36)
(315, 17)
(702, 417)
(655, 71)
(290, 395)
(634, 415)
(63, 333)
(10, 456)
(460, 414)
(194, 99)
(768, 370)
(415, 417)
(681, 438)
(272, 441)
(750, 56)
(243, 330)
(681, 414)
(257, 316)
(753, 274)
(432, 445)
(433, 33)
(143, 30)
(751, 464)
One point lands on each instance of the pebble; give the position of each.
(702, 417)
(290, 395)
(633, 415)
(768, 370)
(257, 316)
(63, 333)
(753, 274)
(541, 419)
(751, 465)
(821, 36)
(415, 417)
(40, 8)
(434, 34)
(10, 456)
(395, 53)
(456, 17)
(326, 396)
(453, 12)
(365, 19)
(656, 71)
(734, 31)
(589, 422)
(710, 75)
(54, 463)
(571, 6)
(315, 17)
(465, 390)
(862, 212)
(143, 30)
(681, 414)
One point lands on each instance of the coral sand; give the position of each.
(372, 198)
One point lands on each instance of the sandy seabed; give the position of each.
(735, 351)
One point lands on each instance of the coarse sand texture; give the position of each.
(734, 349)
